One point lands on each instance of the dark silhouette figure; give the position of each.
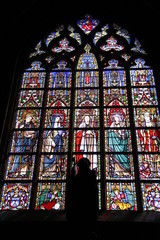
(82, 199)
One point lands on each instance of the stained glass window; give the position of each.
(87, 90)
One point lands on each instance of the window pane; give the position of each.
(50, 196)
(16, 196)
(121, 196)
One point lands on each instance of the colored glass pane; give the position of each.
(28, 118)
(24, 141)
(142, 77)
(103, 33)
(63, 46)
(53, 166)
(114, 95)
(149, 166)
(31, 98)
(87, 60)
(57, 117)
(86, 142)
(60, 79)
(16, 196)
(121, 196)
(33, 80)
(147, 117)
(58, 98)
(20, 167)
(88, 24)
(87, 79)
(112, 45)
(114, 78)
(85, 117)
(55, 141)
(119, 166)
(50, 196)
(86, 97)
(144, 96)
(116, 117)
(150, 193)
(118, 140)
(148, 140)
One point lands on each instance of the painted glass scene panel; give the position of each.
(149, 166)
(60, 79)
(86, 118)
(28, 118)
(16, 196)
(87, 79)
(119, 166)
(50, 196)
(118, 140)
(116, 117)
(144, 96)
(148, 140)
(55, 140)
(147, 117)
(114, 78)
(86, 143)
(31, 98)
(58, 98)
(142, 77)
(151, 198)
(86, 97)
(24, 141)
(53, 166)
(20, 167)
(57, 118)
(121, 196)
(114, 96)
(33, 80)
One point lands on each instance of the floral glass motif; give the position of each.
(16, 196)
(53, 35)
(82, 96)
(137, 47)
(51, 196)
(121, 196)
(122, 32)
(112, 44)
(63, 46)
(59, 98)
(38, 51)
(31, 98)
(74, 35)
(115, 94)
(151, 198)
(87, 24)
(101, 34)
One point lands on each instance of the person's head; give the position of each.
(83, 164)
(28, 118)
(87, 119)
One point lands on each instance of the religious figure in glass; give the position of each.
(86, 140)
(54, 142)
(117, 142)
(23, 143)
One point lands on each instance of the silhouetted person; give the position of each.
(82, 199)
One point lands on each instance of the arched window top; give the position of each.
(108, 41)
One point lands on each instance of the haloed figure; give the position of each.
(117, 140)
(86, 141)
(25, 141)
